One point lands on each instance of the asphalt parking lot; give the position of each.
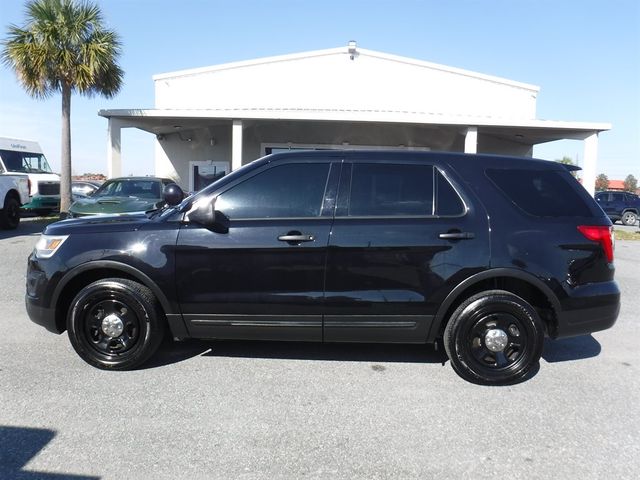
(253, 410)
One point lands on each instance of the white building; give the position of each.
(218, 118)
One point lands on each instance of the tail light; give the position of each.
(601, 234)
(29, 185)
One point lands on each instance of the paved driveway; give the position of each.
(289, 411)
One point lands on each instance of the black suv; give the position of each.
(486, 254)
(621, 206)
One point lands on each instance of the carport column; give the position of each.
(236, 144)
(590, 160)
(471, 140)
(114, 145)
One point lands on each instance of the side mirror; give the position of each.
(208, 217)
(173, 194)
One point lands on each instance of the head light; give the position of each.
(49, 244)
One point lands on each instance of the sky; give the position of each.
(583, 54)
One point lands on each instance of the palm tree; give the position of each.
(64, 48)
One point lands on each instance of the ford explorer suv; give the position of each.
(484, 254)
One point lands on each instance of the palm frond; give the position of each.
(64, 42)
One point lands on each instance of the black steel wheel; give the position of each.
(115, 324)
(10, 214)
(494, 338)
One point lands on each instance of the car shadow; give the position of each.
(19, 446)
(574, 348)
(33, 226)
(563, 350)
(347, 352)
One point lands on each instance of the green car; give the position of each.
(121, 196)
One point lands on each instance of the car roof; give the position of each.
(159, 179)
(472, 159)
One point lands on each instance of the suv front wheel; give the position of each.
(494, 338)
(115, 324)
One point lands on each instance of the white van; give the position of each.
(24, 156)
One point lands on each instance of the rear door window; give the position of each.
(542, 193)
(448, 202)
(391, 190)
(400, 190)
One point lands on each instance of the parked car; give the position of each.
(485, 254)
(623, 206)
(124, 195)
(84, 188)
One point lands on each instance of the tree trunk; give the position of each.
(65, 157)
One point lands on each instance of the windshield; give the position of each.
(140, 188)
(25, 162)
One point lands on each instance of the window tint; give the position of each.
(448, 203)
(543, 193)
(286, 191)
(130, 188)
(617, 197)
(391, 190)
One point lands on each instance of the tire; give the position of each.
(629, 218)
(494, 338)
(132, 335)
(10, 214)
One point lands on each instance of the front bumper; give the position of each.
(43, 316)
(38, 296)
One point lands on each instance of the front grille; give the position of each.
(49, 188)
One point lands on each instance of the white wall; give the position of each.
(174, 152)
(334, 81)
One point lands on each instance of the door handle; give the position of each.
(457, 235)
(295, 237)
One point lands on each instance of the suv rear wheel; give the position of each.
(629, 218)
(115, 324)
(494, 338)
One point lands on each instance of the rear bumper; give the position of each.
(590, 308)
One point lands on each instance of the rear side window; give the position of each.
(542, 193)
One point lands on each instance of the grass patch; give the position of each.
(627, 235)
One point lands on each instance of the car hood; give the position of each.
(97, 224)
(113, 205)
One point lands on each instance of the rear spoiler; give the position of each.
(571, 168)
